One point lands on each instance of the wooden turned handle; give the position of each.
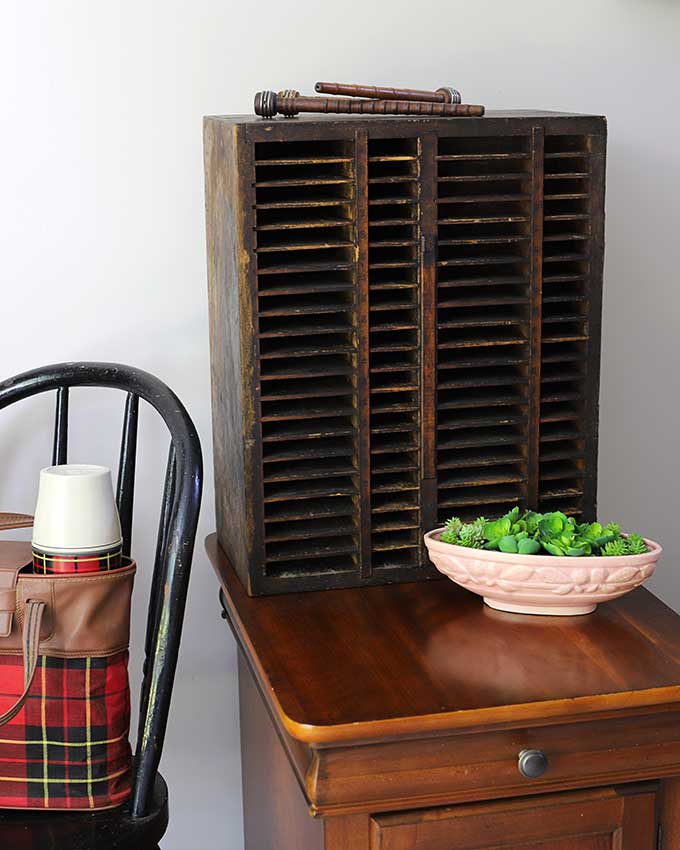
(412, 107)
(268, 104)
(444, 94)
(12, 521)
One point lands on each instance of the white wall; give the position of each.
(102, 246)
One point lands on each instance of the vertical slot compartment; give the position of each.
(484, 191)
(565, 355)
(305, 247)
(394, 352)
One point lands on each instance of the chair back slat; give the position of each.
(155, 596)
(125, 489)
(60, 446)
(167, 614)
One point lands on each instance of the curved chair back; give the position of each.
(176, 533)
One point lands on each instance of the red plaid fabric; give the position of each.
(56, 564)
(68, 746)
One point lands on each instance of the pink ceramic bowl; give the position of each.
(541, 584)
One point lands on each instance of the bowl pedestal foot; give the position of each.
(545, 610)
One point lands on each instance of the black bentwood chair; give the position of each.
(142, 822)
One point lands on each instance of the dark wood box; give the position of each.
(405, 325)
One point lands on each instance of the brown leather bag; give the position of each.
(59, 625)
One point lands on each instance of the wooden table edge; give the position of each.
(598, 706)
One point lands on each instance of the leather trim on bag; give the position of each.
(86, 614)
(14, 556)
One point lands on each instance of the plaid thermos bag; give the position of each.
(64, 692)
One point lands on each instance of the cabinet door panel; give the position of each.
(602, 819)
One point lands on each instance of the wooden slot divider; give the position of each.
(535, 312)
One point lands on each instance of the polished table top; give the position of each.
(363, 663)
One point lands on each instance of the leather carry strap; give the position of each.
(8, 521)
(14, 556)
(35, 609)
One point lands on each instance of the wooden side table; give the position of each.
(412, 717)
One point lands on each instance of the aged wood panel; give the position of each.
(405, 325)
(231, 406)
(598, 151)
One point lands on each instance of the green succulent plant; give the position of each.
(508, 525)
(519, 543)
(596, 535)
(615, 548)
(529, 532)
(636, 545)
(472, 534)
(469, 534)
(451, 529)
(559, 535)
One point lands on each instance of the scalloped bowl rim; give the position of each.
(435, 544)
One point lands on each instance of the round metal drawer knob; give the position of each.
(532, 763)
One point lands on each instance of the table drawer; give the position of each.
(484, 765)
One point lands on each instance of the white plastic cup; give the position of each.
(76, 514)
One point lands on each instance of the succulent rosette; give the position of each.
(554, 533)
